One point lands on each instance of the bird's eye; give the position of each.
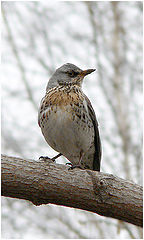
(72, 74)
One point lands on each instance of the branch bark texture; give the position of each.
(46, 182)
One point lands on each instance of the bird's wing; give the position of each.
(97, 141)
(41, 108)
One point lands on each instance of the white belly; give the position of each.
(67, 135)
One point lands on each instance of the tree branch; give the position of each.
(46, 182)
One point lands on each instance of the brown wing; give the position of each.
(40, 111)
(97, 142)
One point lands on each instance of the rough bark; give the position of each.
(46, 182)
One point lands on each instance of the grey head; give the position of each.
(68, 74)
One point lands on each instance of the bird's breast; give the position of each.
(63, 96)
(65, 122)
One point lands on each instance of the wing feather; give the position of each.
(97, 141)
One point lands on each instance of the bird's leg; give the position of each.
(81, 156)
(57, 156)
(53, 159)
(79, 163)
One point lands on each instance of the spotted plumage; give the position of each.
(67, 119)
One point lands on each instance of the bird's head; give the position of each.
(68, 74)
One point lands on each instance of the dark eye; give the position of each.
(72, 74)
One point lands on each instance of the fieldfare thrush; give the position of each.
(67, 119)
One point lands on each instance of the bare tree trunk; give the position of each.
(46, 182)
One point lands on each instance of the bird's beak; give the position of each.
(82, 74)
(86, 72)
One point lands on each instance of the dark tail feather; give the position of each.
(98, 152)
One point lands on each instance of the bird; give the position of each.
(67, 119)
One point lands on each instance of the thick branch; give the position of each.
(46, 182)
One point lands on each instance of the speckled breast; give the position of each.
(65, 122)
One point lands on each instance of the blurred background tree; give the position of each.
(38, 37)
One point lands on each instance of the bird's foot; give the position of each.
(47, 158)
(73, 166)
(68, 163)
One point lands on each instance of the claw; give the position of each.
(44, 158)
(47, 158)
(68, 163)
(74, 166)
